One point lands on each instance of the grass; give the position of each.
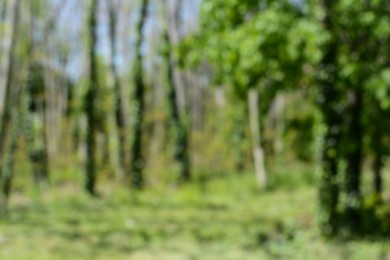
(223, 218)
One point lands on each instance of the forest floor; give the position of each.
(225, 218)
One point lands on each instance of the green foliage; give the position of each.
(301, 126)
(250, 44)
(379, 85)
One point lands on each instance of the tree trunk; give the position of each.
(258, 153)
(90, 99)
(177, 124)
(73, 118)
(138, 161)
(377, 168)
(7, 167)
(379, 148)
(44, 160)
(119, 108)
(354, 159)
(328, 98)
(8, 117)
(174, 9)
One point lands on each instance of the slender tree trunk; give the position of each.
(378, 167)
(45, 136)
(177, 124)
(258, 153)
(174, 12)
(379, 150)
(90, 99)
(72, 117)
(7, 167)
(197, 100)
(278, 123)
(354, 159)
(119, 111)
(328, 97)
(138, 161)
(8, 119)
(329, 185)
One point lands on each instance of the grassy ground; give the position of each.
(221, 219)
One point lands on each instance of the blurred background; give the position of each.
(194, 129)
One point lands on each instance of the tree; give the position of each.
(329, 98)
(179, 131)
(353, 67)
(90, 99)
(138, 161)
(119, 106)
(9, 116)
